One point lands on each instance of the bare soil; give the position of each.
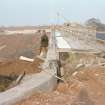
(18, 67)
(86, 88)
(15, 46)
(19, 45)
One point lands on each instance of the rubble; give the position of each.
(26, 59)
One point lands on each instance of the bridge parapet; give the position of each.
(80, 32)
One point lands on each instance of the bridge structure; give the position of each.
(77, 38)
(63, 39)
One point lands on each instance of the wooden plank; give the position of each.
(2, 47)
(26, 59)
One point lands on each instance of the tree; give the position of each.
(95, 23)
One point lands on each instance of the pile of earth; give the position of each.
(19, 66)
(10, 70)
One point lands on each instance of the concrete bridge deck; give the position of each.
(66, 42)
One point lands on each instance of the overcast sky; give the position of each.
(35, 12)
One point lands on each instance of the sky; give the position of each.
(41, 12)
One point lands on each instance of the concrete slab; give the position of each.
(61, 43)
(65, 39)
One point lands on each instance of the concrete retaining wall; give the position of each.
(41, 82)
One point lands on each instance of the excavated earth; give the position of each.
(85, 86)
(19, 45)
(19, 66)
(15, 46)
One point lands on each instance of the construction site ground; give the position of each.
(87, 87)
(19, 66)
(19, 45)
(83, 86)
(11, 48)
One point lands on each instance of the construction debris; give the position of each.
(26, 59)
(20, 77)
(79, 66)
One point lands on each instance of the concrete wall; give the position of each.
(43, 81)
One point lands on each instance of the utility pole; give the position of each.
(58, 18)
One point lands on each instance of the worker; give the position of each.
(44, 43)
